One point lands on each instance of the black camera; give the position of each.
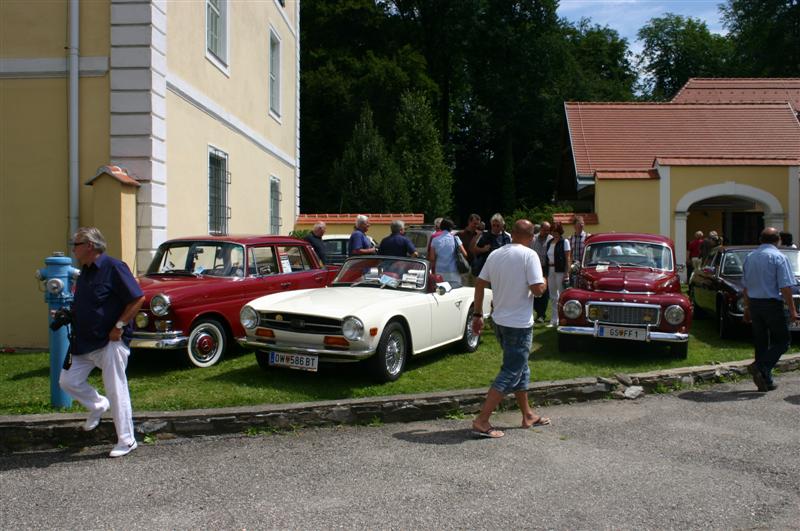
(61, 317)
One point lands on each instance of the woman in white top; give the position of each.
(558, 260)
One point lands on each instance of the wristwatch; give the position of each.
(120, 325)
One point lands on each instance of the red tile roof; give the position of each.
(726, 162)
(118, 173)
(740, 90)
(615, 136)
(415, 219)
(627, 174)
(568, 218)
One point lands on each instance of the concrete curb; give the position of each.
(38, 432)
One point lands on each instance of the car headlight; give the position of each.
(674, 315)
(159, 305)
(248, 317)
(740, 305)
(353, 328)
(572, 309)
(142, 320)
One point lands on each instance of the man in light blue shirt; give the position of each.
(768, 281)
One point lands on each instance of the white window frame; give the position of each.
(222, 63)
(275, 213)
(225, 207)
(274, 76)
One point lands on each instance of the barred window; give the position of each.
(218, 180)
(216, 24)
(274, 205)
(274, 74)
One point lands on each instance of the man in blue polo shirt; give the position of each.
(107, 298)
(397, 244)
(768, 281)
(359, 243)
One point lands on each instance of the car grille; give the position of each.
(624, 314)
(304, 324)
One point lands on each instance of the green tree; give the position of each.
(419, 157)
(677, 48)
(765, 36)
(366, 179)
(351, 52)
(599, 66)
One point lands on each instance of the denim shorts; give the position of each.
(515, 375)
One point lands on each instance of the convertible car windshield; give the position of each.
(628, 254)
(220, 259)
(380, 272)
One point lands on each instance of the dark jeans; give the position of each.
(771, 336)
(540, 304)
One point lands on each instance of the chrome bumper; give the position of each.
(667, 337)
(160, 340)
(326, 354)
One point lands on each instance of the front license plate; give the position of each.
(619, 332)
(294, 361)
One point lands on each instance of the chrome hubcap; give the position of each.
(205, 344)
(395, 351)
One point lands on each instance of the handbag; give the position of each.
(461, 262)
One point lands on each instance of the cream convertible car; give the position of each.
(379, 308)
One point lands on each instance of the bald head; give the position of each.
(522, 232)
(770, 235)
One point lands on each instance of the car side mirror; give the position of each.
(443, 288)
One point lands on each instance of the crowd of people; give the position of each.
(702, 246)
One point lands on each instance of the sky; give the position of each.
(627, 16)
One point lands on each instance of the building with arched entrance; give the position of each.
(675, 168)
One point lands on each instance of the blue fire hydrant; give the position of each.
(58, 277)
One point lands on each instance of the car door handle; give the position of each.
(319, 278)
(285, 284)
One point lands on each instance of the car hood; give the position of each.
(631, 280)
(336, 302)
(177, 286)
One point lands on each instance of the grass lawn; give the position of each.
(158, 381)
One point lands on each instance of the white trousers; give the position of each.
(555, 283)
(112, 360)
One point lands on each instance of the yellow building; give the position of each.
(197, 100)
(731, 165)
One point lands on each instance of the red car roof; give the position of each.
(245, 239)
(628, 236)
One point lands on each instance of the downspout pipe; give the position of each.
(73, 62)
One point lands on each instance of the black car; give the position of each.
(716, 286)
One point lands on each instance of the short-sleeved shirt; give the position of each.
(766, 271)
(358, 240)
(396, 245)
(102, 291)
(511, 270)
(445, 248)
(318, 245)
(694, 247)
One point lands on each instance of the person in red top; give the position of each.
(693, 258)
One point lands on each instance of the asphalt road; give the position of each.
(724, 457)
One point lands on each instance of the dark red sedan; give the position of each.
(626, 288)
(195, 288)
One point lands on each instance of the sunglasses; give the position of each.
(78, 244)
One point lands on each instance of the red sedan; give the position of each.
(195, 288)
(627, 288)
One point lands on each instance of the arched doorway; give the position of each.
(738, 210)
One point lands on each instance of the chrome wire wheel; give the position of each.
(395, 353)
(207, 343)
(390, 359)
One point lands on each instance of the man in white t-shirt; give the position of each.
(515, 275)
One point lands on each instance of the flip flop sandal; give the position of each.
(491, 433)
